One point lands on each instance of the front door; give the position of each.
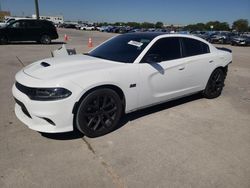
(16, 31)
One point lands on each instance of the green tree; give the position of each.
(159, 25)
(134, 24)
(147, 25)
(240, 25)
(196, 27)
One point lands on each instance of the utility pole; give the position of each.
(37, 10)
(0, 6)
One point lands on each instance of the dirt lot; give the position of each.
(192, 142)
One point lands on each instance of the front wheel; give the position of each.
(99, 113)
(215, 84)
(45, 39)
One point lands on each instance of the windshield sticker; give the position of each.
(135, 43)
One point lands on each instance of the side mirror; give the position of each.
(152, 58)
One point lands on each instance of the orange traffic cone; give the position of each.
(90, 43)
(66, 38)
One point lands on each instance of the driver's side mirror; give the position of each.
(152, 58)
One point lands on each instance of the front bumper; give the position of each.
(45, 116)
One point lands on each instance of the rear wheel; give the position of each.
(215, 84)
(3, 40)
(45, 39)
(99, 113)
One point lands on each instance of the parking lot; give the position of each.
(191, 142)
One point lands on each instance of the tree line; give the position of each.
(241, 25)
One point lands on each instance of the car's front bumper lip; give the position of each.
(44, 116)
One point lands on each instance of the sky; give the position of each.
(166, 11)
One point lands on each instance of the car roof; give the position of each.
(30, 19)
(146, 34)
(153, 35)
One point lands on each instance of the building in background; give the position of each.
(3, 14)
(54, 19)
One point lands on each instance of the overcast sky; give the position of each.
(167, 11)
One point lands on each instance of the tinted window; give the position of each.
(33, 24)
(193, 47)
(18, 24)
(166, 49)
(123, 48)
(46, 24)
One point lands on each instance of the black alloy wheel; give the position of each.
(45, 39)
(215, 84)
(99, 113)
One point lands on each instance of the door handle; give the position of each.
(211, 61)
(181, 68)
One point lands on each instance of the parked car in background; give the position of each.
(42, 31)
(240, 41)
(88, 27)
(221, 38)
(78, 26)
(90, 92)
(69, 26)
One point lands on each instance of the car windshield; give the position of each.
(123, 48)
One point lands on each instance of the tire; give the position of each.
(3, 40)
(45, 39)
(98, 113)
(215, 84)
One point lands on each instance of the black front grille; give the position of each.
(24, 109)
(26, 90)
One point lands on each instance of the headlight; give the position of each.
(48, 94)
(44, 94)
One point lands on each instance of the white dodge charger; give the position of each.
(89, 92)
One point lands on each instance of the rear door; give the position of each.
(33, 30)
(199, 63)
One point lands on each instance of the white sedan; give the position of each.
(89, 92)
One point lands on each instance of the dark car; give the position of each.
(222, 38)
(42, 31)
(70, 26)
(240, 41)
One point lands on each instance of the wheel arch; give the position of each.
(115, 88)
(225, 68)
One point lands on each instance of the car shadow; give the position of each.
(127, 117)
(35, 43)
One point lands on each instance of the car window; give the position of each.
(18, 24)
(193, 47)
(33, 24)
(123, 48)
(165, 49)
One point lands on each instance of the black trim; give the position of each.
(49, 121)
(26, 90)
(224, 49)
(132, 85)
(44, 64)
(24, 109)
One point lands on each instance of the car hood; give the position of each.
(58, 67)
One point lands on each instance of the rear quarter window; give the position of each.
(193, 47)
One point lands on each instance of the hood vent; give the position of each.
(44, 64)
